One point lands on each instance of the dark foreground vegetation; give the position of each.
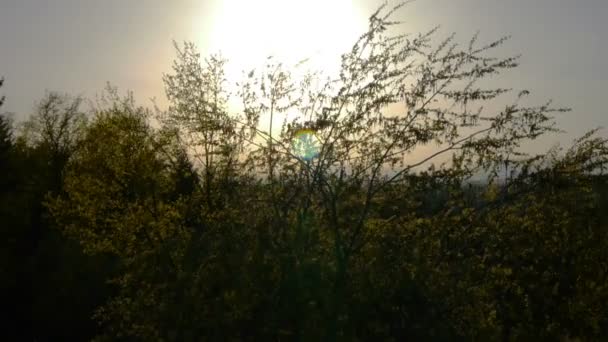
(195, 224)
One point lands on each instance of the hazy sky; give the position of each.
(76, 46)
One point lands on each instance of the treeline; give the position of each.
(196, 224)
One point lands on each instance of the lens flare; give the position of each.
(306, 145)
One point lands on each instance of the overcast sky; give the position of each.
(76, 46)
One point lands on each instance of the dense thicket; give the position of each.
(198, 223)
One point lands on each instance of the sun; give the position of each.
(248, 31)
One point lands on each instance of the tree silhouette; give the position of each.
(337, 208)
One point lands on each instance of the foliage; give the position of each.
(202, 224)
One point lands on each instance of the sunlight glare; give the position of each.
(248, 31)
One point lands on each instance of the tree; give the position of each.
(199, 117)
(516, 265)
(47, 296)
(2, 98)
(6, 136)
(363, 149)
(328, 228)
(54, 130)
